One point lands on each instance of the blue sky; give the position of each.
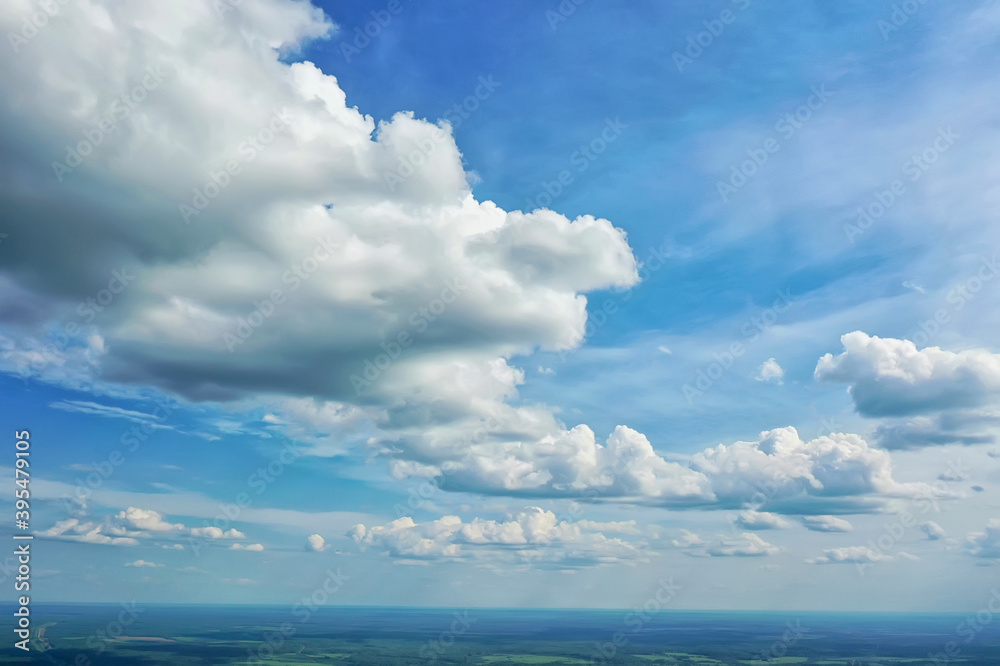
(653, 322)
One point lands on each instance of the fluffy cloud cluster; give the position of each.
(533, 536)
(127, 527)
(986, 543)
(274, 255)
(745, 544)
(826, 524)
(779, 470)
(890, 377)
(850, 555)
(316, 543)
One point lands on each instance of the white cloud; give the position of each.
(850, 555)
(760, 520)
(254, 547)
(534, 536)
(890, 377)
(743, 544)
(144, 563)
(933, 531)
(313, 211)
(985, 544)
(316, 543)
(770, 371)
(826, 524)
(72, 529)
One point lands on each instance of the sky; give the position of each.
(529, 305)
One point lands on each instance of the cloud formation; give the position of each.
(534, 536)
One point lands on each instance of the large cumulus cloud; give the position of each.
(306, 210)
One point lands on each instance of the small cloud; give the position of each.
(770, 371)
(908, 556)
(826, 524)
(240, 581)
(175, 546)
(664, 350)
(255, 547)
(978, 489)
(914, 286)
(761, 520)
(144, 563)
(687, 539)
(546, 371)
(316, 543)
(952, 475)
(933, 530)
(850, 555)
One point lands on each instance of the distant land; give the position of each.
(140, 635)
